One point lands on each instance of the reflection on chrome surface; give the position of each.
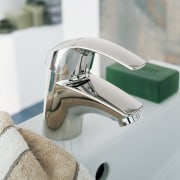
(72, 90)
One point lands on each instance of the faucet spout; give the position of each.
(72, 90)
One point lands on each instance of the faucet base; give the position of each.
(67, 130)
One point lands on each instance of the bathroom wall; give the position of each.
(9, 5)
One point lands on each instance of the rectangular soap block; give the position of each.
(152, 82)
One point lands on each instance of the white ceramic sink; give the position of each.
(146, 150)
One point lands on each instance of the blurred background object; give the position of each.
(37, 13)
(29, 14)
(6, 26)
(52, 10)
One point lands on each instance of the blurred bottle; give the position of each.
(37, 13)
(52, 10)
(6, 27)
(20, 19)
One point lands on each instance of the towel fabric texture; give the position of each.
(25, 155)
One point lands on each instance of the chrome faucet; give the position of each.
(72, 90)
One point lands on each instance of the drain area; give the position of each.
(102, 172)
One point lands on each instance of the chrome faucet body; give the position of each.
(72, 90)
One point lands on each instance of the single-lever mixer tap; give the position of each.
(72, 90)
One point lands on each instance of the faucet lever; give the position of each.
(79, 54)
(72, 89)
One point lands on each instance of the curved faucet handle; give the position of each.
(78, 55)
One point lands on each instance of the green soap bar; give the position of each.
(151, 82)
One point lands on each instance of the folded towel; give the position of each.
(26, 155)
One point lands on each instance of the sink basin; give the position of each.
(146, 150)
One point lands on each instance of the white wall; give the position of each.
(9, 98)
(9, 5)
(81, 18)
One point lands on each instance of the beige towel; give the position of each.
(26, 155)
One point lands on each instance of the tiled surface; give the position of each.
(28, 113)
